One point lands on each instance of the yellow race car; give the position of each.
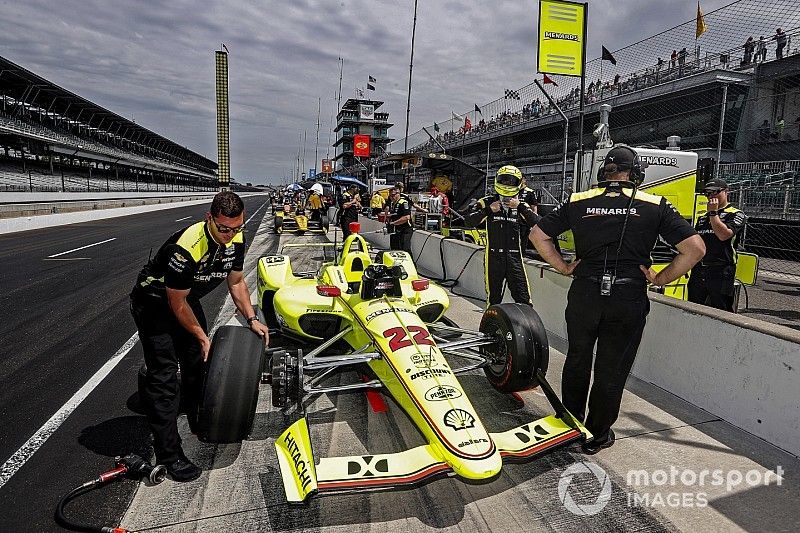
(289, 219)
(380, 314)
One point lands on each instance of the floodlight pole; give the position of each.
(410, 71)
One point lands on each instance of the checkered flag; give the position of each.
(512, 95)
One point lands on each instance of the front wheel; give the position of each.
(230, 390)
(521, 348)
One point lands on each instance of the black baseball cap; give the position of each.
(622, 156)
(715, 185)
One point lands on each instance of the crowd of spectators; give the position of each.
(681, 63)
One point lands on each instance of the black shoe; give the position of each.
(183, 470)
(591, 448)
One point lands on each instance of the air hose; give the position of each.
(132, 466)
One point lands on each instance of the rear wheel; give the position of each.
(521, 348)
(278, 224)
(468, 238)
(230, 390)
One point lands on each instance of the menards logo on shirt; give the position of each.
(609, 210)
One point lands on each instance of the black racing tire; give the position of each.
(469, 239)
(301, 231)
(324, 223)
(268, 309)
(278, 224)
(521, 349)
(230, 388)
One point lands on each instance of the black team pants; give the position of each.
(712, 286)
(166, 344)
(502, 266)
(401, 240)
(616, 324)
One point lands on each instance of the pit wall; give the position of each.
(742, 370)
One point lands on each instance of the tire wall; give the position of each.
(742, 370)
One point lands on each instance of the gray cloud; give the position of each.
(153, 61)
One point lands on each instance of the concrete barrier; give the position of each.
(742, 370)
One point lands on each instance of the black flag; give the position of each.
(370, 87)
(372, 80)
(478, 109)
(607, 56)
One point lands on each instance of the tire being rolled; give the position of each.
(230, 387)
(521, 347)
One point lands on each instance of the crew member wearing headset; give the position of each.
(615, 228)
(503, 214)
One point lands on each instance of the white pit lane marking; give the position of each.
(81, 248)
(180, 219)
(21, 456)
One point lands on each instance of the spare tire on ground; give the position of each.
(230, 387)
(521, 347)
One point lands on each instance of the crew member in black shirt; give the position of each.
(349, 207)
(711, 280)
(503, 214)
(165, 303)
(607, 303)
(399, 223)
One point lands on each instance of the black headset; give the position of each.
(636, 170)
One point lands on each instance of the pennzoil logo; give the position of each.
(442, 392)
(459, 419)
(361, 145)
(273, 259)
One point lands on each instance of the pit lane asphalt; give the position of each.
(61, 320)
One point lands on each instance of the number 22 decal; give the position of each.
(398, 338)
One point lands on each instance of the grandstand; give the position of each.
(653, 97)
(55, 140)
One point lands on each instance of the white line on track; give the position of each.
(82, 248)
(179, 219)
(21, 456)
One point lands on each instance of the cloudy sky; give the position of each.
(152, 60)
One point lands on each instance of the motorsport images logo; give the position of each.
(673, 487)
(603, 495)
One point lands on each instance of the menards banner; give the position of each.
(561, 34)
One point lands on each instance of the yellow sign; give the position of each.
(561, 31)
